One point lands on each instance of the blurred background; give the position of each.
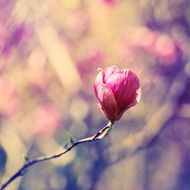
(49, 54)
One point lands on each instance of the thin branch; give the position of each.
(20, 172)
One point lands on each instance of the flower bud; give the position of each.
(116, 90)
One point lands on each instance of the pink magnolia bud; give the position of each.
(117, 90)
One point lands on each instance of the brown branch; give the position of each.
(20, 172)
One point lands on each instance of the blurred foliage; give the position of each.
(49, 53)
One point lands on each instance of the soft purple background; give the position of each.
(49, 55)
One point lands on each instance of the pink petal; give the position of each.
(99, 77)
(109, 72)
(107, 101)
(98, 80)
(134, 101)
(129, 94)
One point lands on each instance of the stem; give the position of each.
(20, 172)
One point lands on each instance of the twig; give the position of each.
(20, 172)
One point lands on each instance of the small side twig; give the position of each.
(20, 172)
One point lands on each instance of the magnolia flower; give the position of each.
(116, 90)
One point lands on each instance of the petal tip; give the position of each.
(99, 69)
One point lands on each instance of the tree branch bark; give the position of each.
(20, 172)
